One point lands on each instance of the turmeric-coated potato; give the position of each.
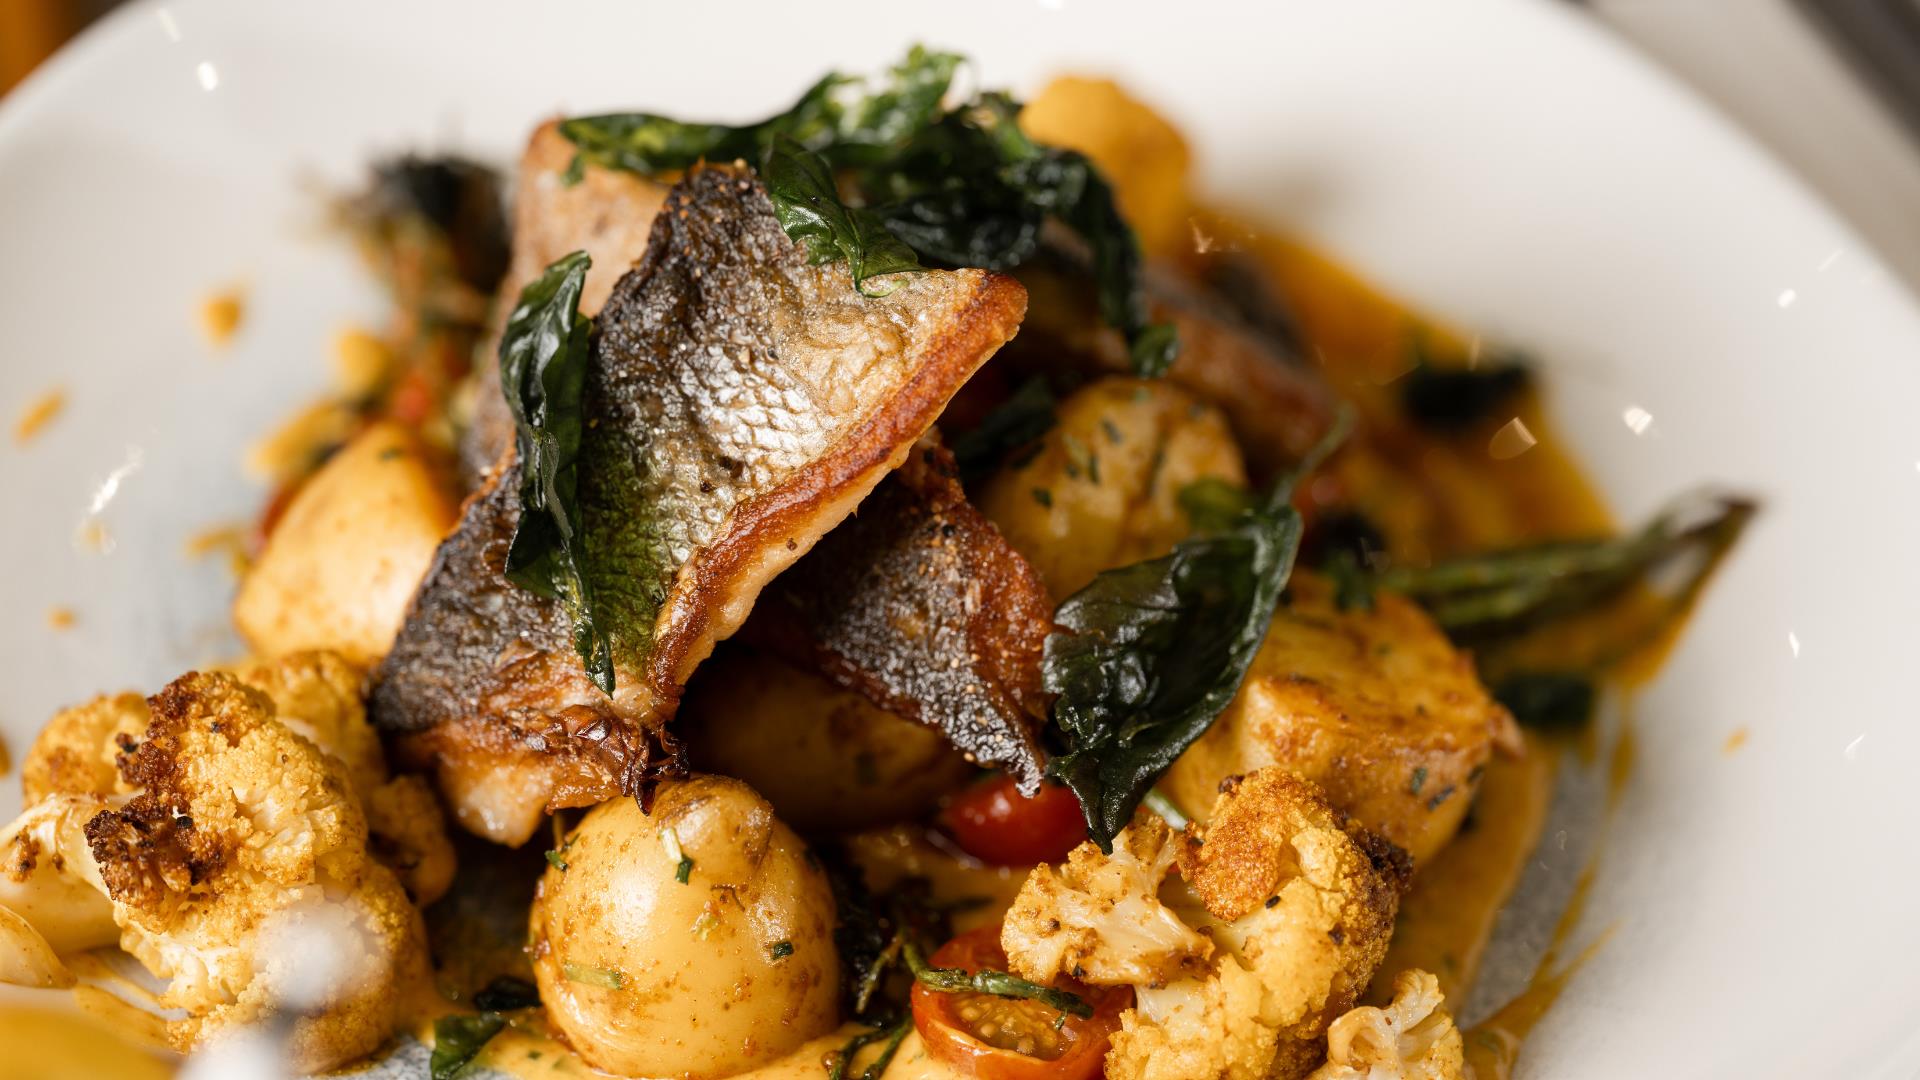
(341, 566)
(826, 758)
(1377, 707)
(1104, 489)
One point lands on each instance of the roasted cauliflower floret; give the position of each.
(317, 694)
(1296, 905)
(1376, 707)
(77, 752)
(1099, 917)
(237, 871)
(1412, 1038)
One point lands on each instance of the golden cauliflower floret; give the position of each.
(1412, 1038)
(239, 873)
(317, 694)
(77, 752)
(1099, 918)
(1296, 902)
(1376, 707)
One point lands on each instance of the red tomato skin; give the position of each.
(994, 823)
(940, 1029)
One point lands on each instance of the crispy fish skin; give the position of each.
(607, 214)
(741, 402)
(921, 606)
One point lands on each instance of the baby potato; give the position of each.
(341, 567)
(826, 758)
(1377, 707)
(1141, 155)
(1104, 490)
(695, 941)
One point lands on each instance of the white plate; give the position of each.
(1496, 161)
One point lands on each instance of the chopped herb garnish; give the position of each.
(1113, 433)
(683, 863)
(989, 981)
(781, 950)
(604, 978)
(458, 1039)
(1044, 497)
(891, 1036)
(543, 372)
(1419, 780)
(556, 860)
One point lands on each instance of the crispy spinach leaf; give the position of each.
(458, 1039)
(809, 208)
(1447, 400)
(505, 994)
(543, 371)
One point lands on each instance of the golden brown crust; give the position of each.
(741, 402)
(920, 605)
(1376, 707)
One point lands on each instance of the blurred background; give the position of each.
(1831, 86)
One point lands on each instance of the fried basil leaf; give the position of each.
(1448, 400)
(505, 994)
(960, 187)
(543, 372)
(458, 1039)
(1212, 504)
(809, 209)
(1502, 590)
(838, 114)
(1148, 655)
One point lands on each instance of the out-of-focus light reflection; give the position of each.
(1636, 418)
(1793, 643)
(167, 25)
(1512, 440)
(110, 487)
(1826, 264)
(1852, 752)
(1786, 298)
(208, 74)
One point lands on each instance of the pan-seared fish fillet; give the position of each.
(740, 403)
(921, 606)
(607, 214)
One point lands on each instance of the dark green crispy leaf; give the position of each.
(1019, 421)
(458, 1039)
(837, 113)
(961, 187)
(1548, 699)
(809, 209)
(1502, 590)
(1212, 505)
(1148, 655)
(1454, 399)
(505, 994)
(543, 371)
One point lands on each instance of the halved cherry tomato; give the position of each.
(994, 823)
(997, 1038)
